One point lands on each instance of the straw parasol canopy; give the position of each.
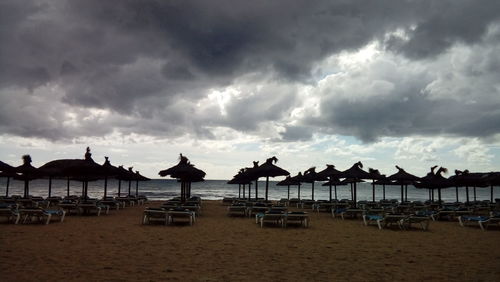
(298, 179)
(467, 179)
(334, 181)
(241, 179)
(26, 172)
(186, 173)
(434, 180)
(139, 177)
(7, 171)
(332, 174)
(355, 172)
(310, 176)
(402, 178)
(288, 181)
(83, 170)
(268, 169)
(375, 175)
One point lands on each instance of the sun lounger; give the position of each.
(11, 213)
(296, 217)
(482, 221)
(423, 221)
(450, 213)
(384, 220)
(353, 213)
(31, 214)
(69, 207)
(237, 210)
(154, 214)
(90, 207)
(174, 215)
(272, 216)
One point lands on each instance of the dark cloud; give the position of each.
(150, 64)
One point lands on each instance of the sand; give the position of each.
(116, 247)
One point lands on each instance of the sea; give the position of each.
(163, 189)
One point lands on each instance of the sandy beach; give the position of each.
(116, 247)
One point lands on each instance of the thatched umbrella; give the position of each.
(186, 173)
(83, 170)
(288, 181)
(139, 177)
(310, 176)
(7, 171)
(268, 169)
(355, 173)
(493, 179)
(467, 179)
(332, 174)
(26, 172)
(435, 181)
(375, 175)
(334, 181)
(384, 182)
(110, 171)
(123, 175)
(241, 179)
(403, 178)
(297, 179)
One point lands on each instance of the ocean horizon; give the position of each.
(163, 189)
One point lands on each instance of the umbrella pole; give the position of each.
(355, 196)
(467, 193)
(456, 192)
(383, 192)
(475, 199)
(67, 187)
(8, 182)
(406, 192)
(439, 196)
(491, 193)
(83, 189)
(330, 192)
(137, 187)
(432, 191)
(402, 196)
(239, 191)
(50, 186)
(299, 192)
(105, 187)
(352, 193)
(244, 191)
(249, 191)
(312, 192)
(129, 186)
(119, 187)
(26, 191)
(335, 187)
(373, 190)
(288, 195)
(256, 188)
(267, 186)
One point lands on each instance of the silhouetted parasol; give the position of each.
(288, 181)
(435, 181)
(241, 179)
(298, 179)
(334, 181)
(26, 172)
(268, 169)
(83, 170)
(123, 175)
(332, 174)
(186, 173)
(403, 178)
(467, 179)
(310, 176)
(355, 173)
(375, 175)
(7, 171)
(493, 179)
(139, 177)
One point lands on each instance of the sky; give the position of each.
(225, 83)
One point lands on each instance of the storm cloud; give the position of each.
(170, 68)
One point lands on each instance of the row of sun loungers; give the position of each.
(482, 221)
(282, 218)
(17, 215)
(173, 211)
